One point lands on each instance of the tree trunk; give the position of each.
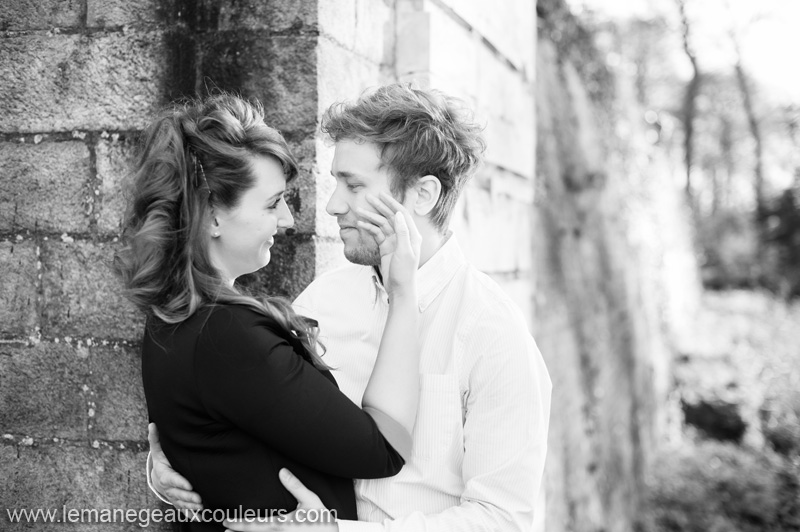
(689, 103)
(755, 131)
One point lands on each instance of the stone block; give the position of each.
(359, 26)
(115, 13)
(114, 166)
(43, 390)
(71, 82)
(508, 25)
(285, 16)
(326, 225)
(508, 104)
(118, 410)
(82, 296)
(342, 75)
(43, 186)
(219, 15)
(301, 193)
(453, 56)
(18, 288)
(494, 226)
(24, 15)
(56, 477)
(289, 271)
(413, 41)
(280, 71)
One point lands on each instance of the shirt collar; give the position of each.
(432, 276)
(437, 272)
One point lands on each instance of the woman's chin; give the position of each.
(265, 259)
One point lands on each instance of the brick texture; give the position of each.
(39, 14)
(118, 408)
(301, 193)
(49, 374)
(61, 475)
(115, 158)
(18, 288)
(68, 82)
(82, 296)
(113, 13)
(80, 80)
(290, 268)
(44, 186)
(279, 71)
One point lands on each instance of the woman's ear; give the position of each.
(214, 228)
(428, 189)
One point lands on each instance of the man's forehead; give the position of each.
(356, 159)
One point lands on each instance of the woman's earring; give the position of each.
(215, 235)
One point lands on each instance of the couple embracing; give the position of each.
(406, 370)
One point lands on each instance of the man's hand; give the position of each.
(168, 482)
(310, 514)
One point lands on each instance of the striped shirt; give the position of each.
(480, 437)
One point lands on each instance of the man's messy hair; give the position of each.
(419, 133)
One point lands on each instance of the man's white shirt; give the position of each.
(480, 437)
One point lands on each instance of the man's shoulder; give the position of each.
(488, 305)
(486, 292)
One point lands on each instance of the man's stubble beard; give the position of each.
(366, 254)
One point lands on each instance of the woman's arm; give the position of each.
(393, 387)
(252, 379)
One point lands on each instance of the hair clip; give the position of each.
(201, 173)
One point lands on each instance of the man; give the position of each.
(480, 437)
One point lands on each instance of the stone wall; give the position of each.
(79, 80)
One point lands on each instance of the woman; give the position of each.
(234, 383)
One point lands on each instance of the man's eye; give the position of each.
(354, 186)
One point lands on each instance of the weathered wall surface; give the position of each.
(615, 278)
(79, 80)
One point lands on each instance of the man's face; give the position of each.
(358, 171)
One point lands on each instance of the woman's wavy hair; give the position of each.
(194, 157)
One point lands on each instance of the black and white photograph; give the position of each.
(399, 266)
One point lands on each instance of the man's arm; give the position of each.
(505, 435)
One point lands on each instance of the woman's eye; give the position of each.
(354, 186)
(275, 205)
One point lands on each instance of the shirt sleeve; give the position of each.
(505, 436)
(251, 378)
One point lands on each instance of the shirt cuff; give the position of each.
(358, 526)
(397, 436)
(148, 467)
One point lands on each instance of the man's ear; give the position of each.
(428, 189)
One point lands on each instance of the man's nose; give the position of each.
(336, 205)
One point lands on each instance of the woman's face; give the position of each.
(246, 232)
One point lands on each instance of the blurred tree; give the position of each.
(689, 101)
(755, 130)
